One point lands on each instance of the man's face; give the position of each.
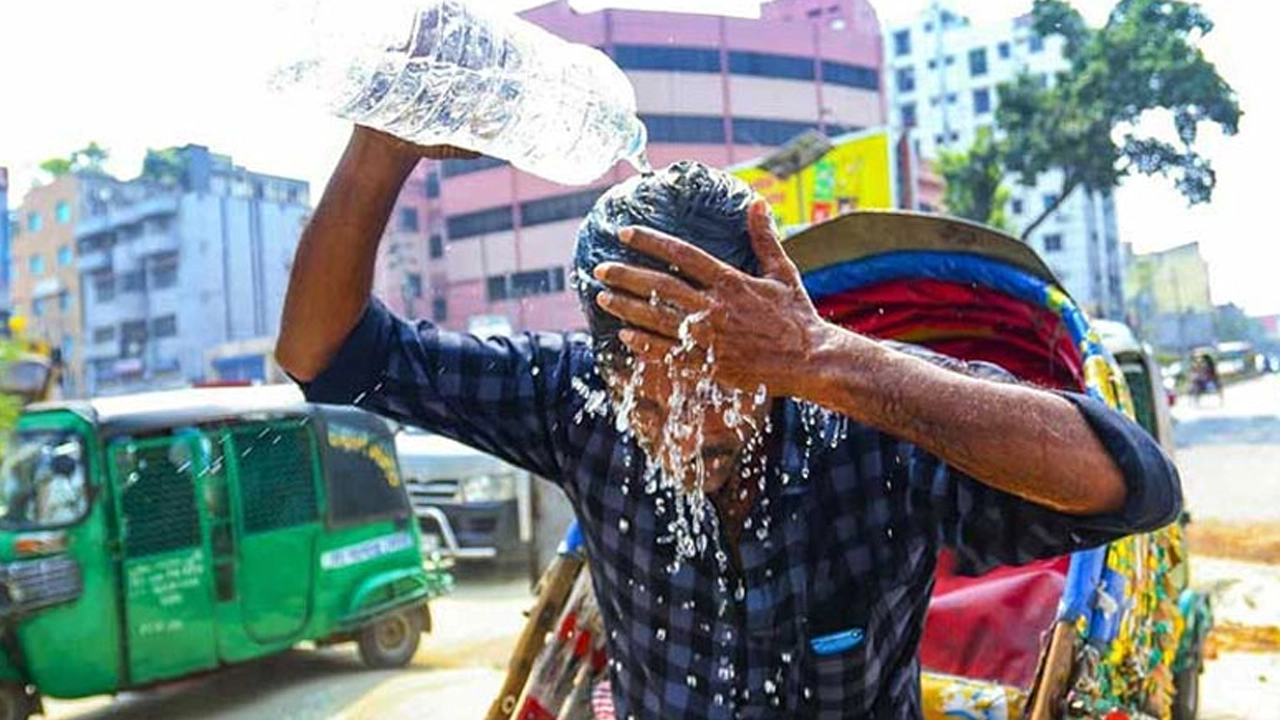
(681, 429)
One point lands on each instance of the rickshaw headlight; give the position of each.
(487, 488)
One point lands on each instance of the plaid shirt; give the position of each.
(847, 547)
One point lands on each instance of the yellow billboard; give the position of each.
(857, 174)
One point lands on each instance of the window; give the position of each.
(1004, 50)
(479, 223)
(496, 288)
(786, 67)
(132, 281)
(902, 43)
(537, 282)
(439, 309)
(664, 57)
(684, 129)
(982, 101)
(164, 271)
(433, 185)
(1042, 80)
(978, 62)
(908, 112)
(37, 307)
(435, 246)
(951, 60)
(1016, 206)
(360, 488)
(62, 212)
(906, 79)
(159, 503)
(104, 334)
(928, 27)
(65, 257)
(64, 301)
(34, 222)
(940, 139)
(564, 207)
(951, 98)
(933, 64)
(277, 486)
(1049, 199)
(1052, 243)
(747, 131)
(1037, 44)
(454, 168)
(854, 76)
(164, 327)
(413, 284)
(104, 287)
(36, 265)
(408, 220)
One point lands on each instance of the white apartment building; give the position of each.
(941, 73)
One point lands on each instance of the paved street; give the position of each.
(1229, 454)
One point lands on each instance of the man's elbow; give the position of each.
(295, 361)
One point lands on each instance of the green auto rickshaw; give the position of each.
(150, 537)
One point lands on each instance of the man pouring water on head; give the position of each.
(762, 494)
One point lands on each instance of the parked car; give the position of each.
(147, 538)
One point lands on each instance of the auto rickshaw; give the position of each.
(150, 537)
(1113, 632)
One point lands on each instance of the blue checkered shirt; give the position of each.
(847, 547)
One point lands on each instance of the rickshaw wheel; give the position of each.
(15, 702)
(1186, 699)
(392, 640)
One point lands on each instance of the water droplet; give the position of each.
(692, 680)
(661, 634)
(769, 687)
(623, 525)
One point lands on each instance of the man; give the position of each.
(809, 596)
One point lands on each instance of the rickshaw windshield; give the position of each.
(42, 481)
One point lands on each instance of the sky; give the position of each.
(133, 74)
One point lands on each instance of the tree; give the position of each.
(163, 166)
(1144, 59)
(90, 158)
(975, 182)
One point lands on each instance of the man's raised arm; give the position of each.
(333, 269)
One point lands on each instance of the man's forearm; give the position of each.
(334, 266)
(1025, 441)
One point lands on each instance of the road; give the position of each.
(1229, 453)
(1230, 459)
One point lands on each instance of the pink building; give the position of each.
(476, 239)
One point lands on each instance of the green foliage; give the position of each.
(57, 167)
(975, 189)
(163, 166)
(90, 158)
(1145, 58)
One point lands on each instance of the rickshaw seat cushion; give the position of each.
(989, 627)
(966, 322)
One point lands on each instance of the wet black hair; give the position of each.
(701, 205)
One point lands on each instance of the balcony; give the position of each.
(94, 261)
(127, 214)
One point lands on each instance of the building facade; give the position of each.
(1169, 298)
(44, 284)
(7, 224)
(492, 246)
(174, 270)
(942, 74)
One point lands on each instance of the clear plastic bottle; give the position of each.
(451, 72)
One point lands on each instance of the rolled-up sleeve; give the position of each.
(504, 396)
(987, 527)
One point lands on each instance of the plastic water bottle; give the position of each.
(450, 72)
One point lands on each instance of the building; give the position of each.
(6, 228)
(1169, 299)
(492, 246)
(43, 282)
(177, 267)
(941, 74)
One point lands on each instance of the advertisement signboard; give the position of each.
(856, 174)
